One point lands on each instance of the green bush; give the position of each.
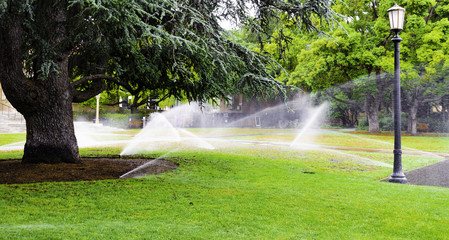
(386, 122)
(363, 124)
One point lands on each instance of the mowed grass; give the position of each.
(9, 138)
(237, 191)
(355, 139)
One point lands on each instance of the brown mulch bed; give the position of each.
(14, 172)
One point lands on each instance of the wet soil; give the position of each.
(14, 172)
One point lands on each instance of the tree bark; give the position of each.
(133, 108)
(415, 98)
(412, 119)
(372, 113)
(46, 104)
(50, 134)
(373, 103)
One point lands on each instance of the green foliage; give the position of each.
(364, 46)
(92, 103)
(3, 6)
(84, 115)
(363, 124)
(386, 122)
(169, 102)
(362, 54)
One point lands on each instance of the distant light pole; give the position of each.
(97, 112)
(396, 15)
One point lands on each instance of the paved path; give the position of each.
(432, 175)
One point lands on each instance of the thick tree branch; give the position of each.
(91, 78)
(163, 98)
(434, 99)
(430, 12)
(155, 102)
(116, 103)
(94, 89)
(344, 101)
(19, 90)
(96, 86)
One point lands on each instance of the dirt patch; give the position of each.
(14, 172)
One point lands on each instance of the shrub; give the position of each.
(386, 122)
(363, 124)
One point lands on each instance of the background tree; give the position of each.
(363, 55)
(425, 54)
(350, 56)
(345, 113)
(56, 52)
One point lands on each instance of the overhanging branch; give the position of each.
(96, 86)
(94, 89)
(93, 77)
(344, 101)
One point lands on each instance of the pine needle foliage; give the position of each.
(173, 45)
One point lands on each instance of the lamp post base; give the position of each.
(398, 178)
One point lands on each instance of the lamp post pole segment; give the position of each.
(397, 176)
(396, 15)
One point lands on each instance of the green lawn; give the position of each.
(361, 140)
(237, 191)
(11, 138)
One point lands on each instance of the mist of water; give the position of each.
(157, 132)
(160, 133)
(308, 131)
(141, 170)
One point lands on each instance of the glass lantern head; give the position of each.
(396, 15)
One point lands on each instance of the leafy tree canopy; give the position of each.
(364, 50)
(363, 45)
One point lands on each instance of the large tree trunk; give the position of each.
(373, 102)
(133, 108)
(46, 103)
(49, 120)
(50, 131)
(50, 134)
(412, 119)
(372, 113)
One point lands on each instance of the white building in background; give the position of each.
(6, 108)
(3, 101)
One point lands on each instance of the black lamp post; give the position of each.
(396, 15)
